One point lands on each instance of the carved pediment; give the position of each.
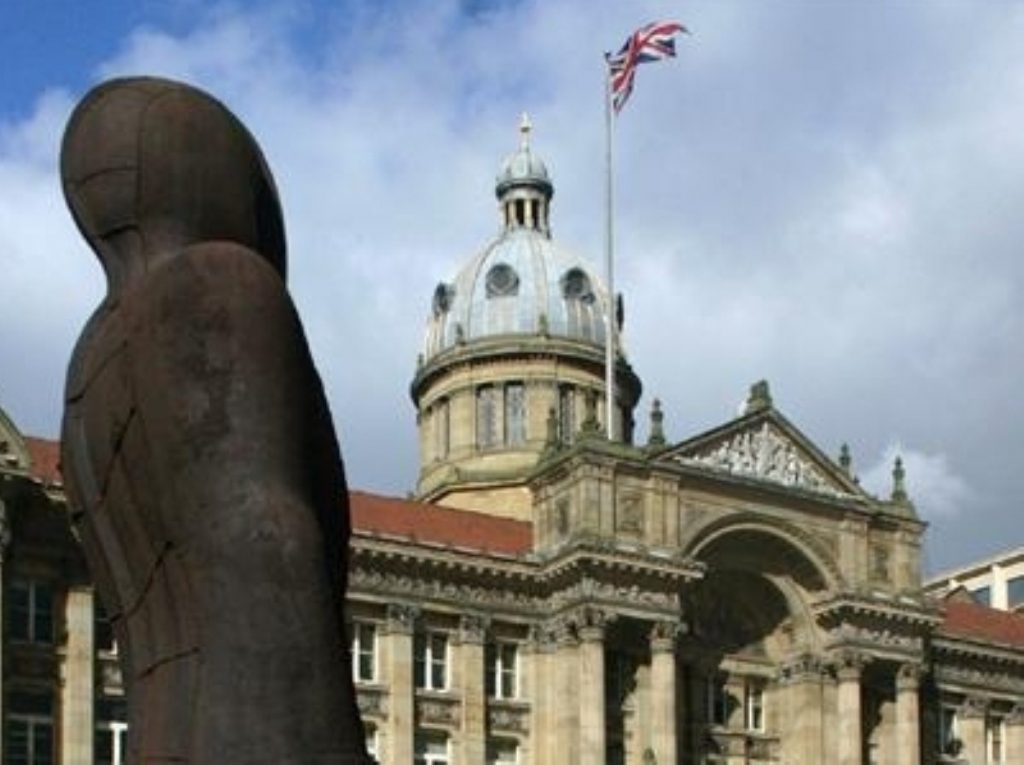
(768, 449)
(13, 452)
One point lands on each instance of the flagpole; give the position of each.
(609, 247)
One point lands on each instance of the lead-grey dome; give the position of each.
(522, 283)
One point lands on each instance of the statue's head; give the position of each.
(151, 166)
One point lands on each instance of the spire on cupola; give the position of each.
(524, 188)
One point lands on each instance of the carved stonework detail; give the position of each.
(590, 589)
(976, 677)
(850, 664)
(1016, 716)
(591, 622)
(372, 703)
(908, 677)
(473, 628)
(847, 633)
(803, 669)
(436, 711)
(542, 637)
(401, 618)
(664, 635)
(437, 590)
(766, 454)
(974, 707)
(507, 718)
(630, 518)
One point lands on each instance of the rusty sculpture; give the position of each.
(198, 452)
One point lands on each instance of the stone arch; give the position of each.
(810, 555)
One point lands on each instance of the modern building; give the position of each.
(552, 597)
(997, 581)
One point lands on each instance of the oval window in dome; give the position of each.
(502, 281)
(576, 286)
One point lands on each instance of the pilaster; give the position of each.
(567, 694)
(802, 687)
(1015, 734)
(972, 729)
(591, 631)
(398, 648)
(908, 715)
(470, 650)
(77, 691)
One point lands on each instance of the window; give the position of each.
(105, 642)
(983, 595)
(566, 414)
(949, 740)
(501, 671)
(515, 415)
(487, 412)
(111, 747)
(994, 739)
(371, 740)
(502, 281)
(576, 286)
(442, 429)
(28, 734)
(1015, 592)
(717, 702)
(31, 614)
(431, 749)
(432, 661)
(754, 706)
(502, 751)
(364, 652)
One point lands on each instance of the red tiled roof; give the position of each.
(977, 622)
(424, 522)
(45, 456)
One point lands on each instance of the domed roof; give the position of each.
(523, 167)
(522, 283)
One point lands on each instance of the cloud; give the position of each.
(933, 486)
(823, 196)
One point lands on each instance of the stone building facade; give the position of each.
(551, 597)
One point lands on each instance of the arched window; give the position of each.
(576, 285)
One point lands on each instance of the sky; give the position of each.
(827, 195)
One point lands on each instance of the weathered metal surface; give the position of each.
(198, 450)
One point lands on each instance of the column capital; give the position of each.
(664, 634)
(807, 667)
(591, 623)
(1016, 716)
(908, 677)
(401, 618)
(542, 637)
(850, 664)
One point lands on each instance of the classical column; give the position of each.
(908, 715)
(851, 736)
(801, 688)
(664, 742)
(971, 724)
(77, 692)
(397, 639)
(1015, 735)
(591, 628)
(472, 631)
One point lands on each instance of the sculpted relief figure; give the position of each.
(199, 456)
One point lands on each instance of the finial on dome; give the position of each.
(525, 126)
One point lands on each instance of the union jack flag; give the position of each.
(650, 43)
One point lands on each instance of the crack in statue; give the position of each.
(202, 468)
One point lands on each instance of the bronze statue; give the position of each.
(198, 452)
